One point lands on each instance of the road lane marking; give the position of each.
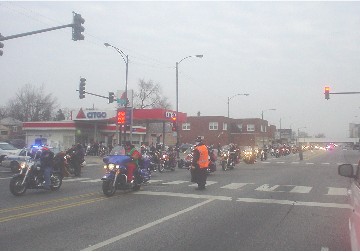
(295, 162)
(235, 185)
(266, 188)
(337, 191)
(301, 189)
(325, 163)
(309, 163)
(175, 182)
(295, 203)
(46, 202)
(184, 195)
(149, 225)
(74, 179)
(91, 180)
(207, 183)
(50, 209)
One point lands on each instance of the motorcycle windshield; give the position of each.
(117, 159)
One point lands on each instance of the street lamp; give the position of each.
(262, 118)
(229, 98)
(126, 60)
(177, 98)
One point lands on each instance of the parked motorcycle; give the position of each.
(31, 177)
(115, 177)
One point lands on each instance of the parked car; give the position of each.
(7, 149)
(14, 161)
(347, 170)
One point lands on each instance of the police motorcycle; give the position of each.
(116, 172)
(31, 176)
(228, 159)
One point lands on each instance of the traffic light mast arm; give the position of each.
(106, 97)
(34, 32)
(346, 93)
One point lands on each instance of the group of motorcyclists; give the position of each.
(202, 159)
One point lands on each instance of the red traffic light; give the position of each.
(327, 92)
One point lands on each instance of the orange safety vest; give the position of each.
(203, 161)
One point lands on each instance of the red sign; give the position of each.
(121, 117)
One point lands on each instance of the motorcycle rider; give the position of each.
(46, 164)
(200, 164)
(77, 158)
(134, 163)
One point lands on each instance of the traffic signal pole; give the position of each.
(34, 32)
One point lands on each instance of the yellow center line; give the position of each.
(45, 203)
(51, 209)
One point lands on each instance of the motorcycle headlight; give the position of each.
(23, 165)
(111, 166)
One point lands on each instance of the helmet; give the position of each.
(44, 148)
(198, 140)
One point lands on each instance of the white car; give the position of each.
(7, 149)
(14, 161)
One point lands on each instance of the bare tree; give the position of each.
(320, 135)
(31, 104)
(3, 112)
(149, 96)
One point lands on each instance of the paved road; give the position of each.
(278, 204)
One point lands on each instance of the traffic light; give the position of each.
(1, 46)
(121, 117)
(327, 92)
(111, 97)
(174, 124)
(77, 28)
(82, 88)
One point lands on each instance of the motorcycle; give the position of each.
(149, 161)
(249, 157)
(31, 177)
(212, 162)
(227, 160)
(263, 155)
(70, 164)
(167, 161)
(116, 173)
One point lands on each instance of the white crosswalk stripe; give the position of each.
(337, 191)
(74, 179)
(176, 182)
(235, 186)
(331, 191)
(207, 183)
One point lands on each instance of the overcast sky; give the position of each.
(281, 53)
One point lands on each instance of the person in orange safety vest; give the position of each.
(200, 163)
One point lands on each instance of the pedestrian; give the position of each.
(78, 156)
(46, 164)
(200, 164)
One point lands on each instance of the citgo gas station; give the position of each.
(88, 126)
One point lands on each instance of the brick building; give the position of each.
(224, 130)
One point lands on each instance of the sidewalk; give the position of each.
(93, 160)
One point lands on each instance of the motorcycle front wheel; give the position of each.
(16, 187)
(56, 182)
(223, 165)
(108, 188)
(161, 167)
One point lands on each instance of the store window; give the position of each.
(224, 126)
